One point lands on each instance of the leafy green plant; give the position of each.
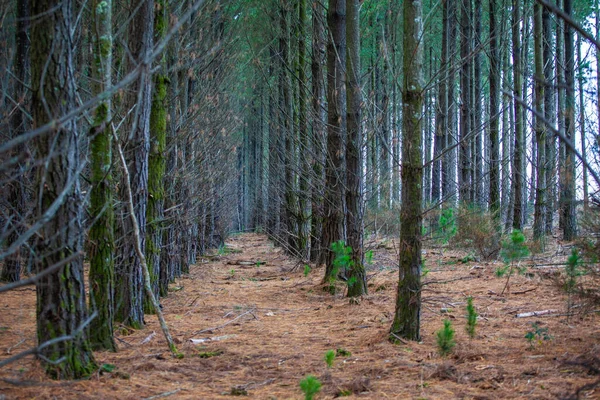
(537, 334)
(232, 272)
(513, 250)
(310, 386)
(306, 270)
(447, 225)
(445, 339)
(471, 317)
(329, 358)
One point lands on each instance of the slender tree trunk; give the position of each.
(580, 78)
(539, 224)
(465, 108)
(494, 137)
(156, 161)
(550, 115)
(569, 195)
(101, 237)
(61, 303)
(477, 174)
(518, 164)
(169, 260)
(305, 139)
(407, 316)
(450, 157)
(130, 282)
(11, 270)
(333, 224)
(318, 131)
(441, 126)
(357, 279)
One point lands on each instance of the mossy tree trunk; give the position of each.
(129, 294)
(101, 236)
(357, 280)
(407, 316)
(157, 161)
(333, 218)
(61, 304)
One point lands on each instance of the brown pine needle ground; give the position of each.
(260, 328)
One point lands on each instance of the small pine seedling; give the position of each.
(471, 317)
(445, 339)
(306, 270)
(537, 334)
(310, 386)
(329, 358)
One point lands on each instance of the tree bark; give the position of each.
(407, 315)
(333, 223)
(130, 283)
(101, 236)
(539, 224)
(568, 178)
(357, 280)
(518, 164)
(61, 303)
(11, 270)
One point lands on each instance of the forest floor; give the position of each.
(260, 328)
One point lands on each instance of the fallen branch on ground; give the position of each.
(535, 313)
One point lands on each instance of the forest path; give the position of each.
(264, 327)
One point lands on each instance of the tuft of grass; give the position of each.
(471, 317)
(329, 358)
(209, 354)
(310, 386)
(342, 352)
(445, 339)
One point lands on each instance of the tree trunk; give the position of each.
(305, 139)
(156, 161)
(568, 178)
(494, 137)
(101, 237)
(61, 304)
(441, 118)
(357, 280)
(539, 224)
(580, 78)
(11, 270)
(318, 132)
(465, 107)
(519, 142)
(130, 282)
(550, 115)
(333, 223)
(407, 316)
